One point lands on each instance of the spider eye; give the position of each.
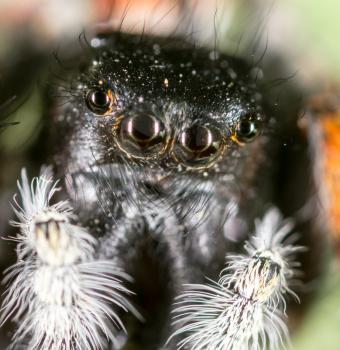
(199, 146)
(100, 101)
(142, 135)
(247, 130)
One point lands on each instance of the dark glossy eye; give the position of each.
(141, 135)
(100, 101)
(199, 146)
(247, 130)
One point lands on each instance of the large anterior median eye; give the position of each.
(141, 135)
(100, 102)
(198, 146)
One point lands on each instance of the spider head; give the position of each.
(165, 104)
(163, 113)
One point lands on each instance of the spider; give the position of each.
(165, 215)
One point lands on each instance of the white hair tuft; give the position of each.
(60, 296)
(246, 308)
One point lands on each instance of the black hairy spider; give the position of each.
(173, 161)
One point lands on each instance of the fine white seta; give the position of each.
(246, 308)
(59, 295)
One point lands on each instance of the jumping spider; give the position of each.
(172, 162)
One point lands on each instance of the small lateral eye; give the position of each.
(247, 130)
(100, 101)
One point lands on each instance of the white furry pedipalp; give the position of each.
(60, 296)
(245, 310)
(34, 207)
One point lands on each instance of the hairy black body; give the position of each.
(133, 135)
